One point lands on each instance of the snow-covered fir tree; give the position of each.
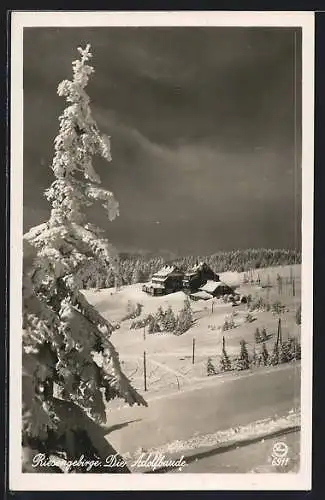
(296, 349)
(62, 332)
(211, 369)
(185, 318)
(264, 355)
(275, 356)
(160, 317)
(257, 336)
(242, 362)
(225, 363)
(256, 360)
(264, 335)
(285, 352)
(170, 320)
(293, 348)
(153, 325)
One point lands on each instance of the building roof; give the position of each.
(197, 267)
(211, 286)
(155, 285)
(200, 266)
(165, 271)
(159, 278)
(201, 295)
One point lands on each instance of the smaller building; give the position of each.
(168, 280)
(200, 295)
(212, 289)
(216, 288)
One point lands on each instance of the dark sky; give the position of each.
(202, 123)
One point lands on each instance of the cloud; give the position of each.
(202, 131)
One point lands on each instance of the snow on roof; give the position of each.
(211, 286)
(197, 266)
(165, 271)
(159, 279)
(193, 270)
(201, 295)
(156, 285)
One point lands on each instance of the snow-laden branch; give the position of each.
(63, 334)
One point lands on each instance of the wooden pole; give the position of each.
(193, 351)
(293, 288)
(144, 333)
(279, 337)
(145, 370)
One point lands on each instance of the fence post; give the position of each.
(293, 288)
(193, 350)
(145, 370)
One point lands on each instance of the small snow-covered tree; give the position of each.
(242, 362)
(67, 350)
(153, 325)
(225, 363)
(285, 352)
(264, 336)
(170, 320)
(211, 370)
(256, 359)
(275, 356)
(264, 355)
(185, 318)
(257, 335)
(296, 348)
(160, 315)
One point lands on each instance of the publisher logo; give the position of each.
(279, 454)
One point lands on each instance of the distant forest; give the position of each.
(139, 268)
